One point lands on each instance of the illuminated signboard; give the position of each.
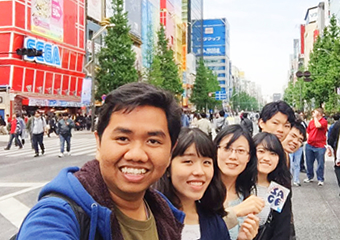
(51, 53)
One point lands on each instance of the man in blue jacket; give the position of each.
(65, 126)
(137, 128)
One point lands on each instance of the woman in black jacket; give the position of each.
(272, 167)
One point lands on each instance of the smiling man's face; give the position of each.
(293, 141)
(134, 151)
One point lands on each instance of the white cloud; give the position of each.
(261, 36)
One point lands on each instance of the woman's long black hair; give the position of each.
(246, 181)
(281, 173)
(214, 196)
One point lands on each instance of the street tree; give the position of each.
(205, 86)
(200, 92)
(243, 101)
(116, 60)
(295, 92)
(163, 71)
(212, 86)
(324, 67)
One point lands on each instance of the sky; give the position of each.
(261, 36)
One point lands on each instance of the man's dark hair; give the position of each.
(65, 114)
(245, 115)
(270, 109)
(203, 115)
(132, 95)
(222, 113)
(297, 124)
(336, 116)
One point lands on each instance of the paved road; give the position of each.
(316, 209)
(22, 175)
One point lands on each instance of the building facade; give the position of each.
(54, 79)
(192, 11)
(216, 51)
(150, 25)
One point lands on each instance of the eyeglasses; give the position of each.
(238, 151)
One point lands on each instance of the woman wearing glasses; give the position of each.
(236, 158)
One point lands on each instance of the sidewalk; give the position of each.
(5, 138)
(316, 209)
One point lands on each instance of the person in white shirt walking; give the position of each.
(204, 124)
(38, 128)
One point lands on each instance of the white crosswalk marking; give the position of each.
(79, 146)
(12, 209)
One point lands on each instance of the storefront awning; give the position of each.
(48, 100)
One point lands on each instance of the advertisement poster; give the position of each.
(94, 9)
(86, 91)
(150, 26)
(47, 18)
(215, 37)
(134, 9)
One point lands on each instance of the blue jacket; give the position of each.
(54, 218)
(212, 226)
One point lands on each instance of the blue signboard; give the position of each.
(51, 53)
(149, 27)
(220, 95)
(215, 37)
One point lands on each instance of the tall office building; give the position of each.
(216, 51)
(195, 29)
(192, 11)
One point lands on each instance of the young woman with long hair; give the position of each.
(272, 167)
(193, 185)
(237, 162)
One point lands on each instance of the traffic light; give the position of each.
(305, 74)
(30, 52)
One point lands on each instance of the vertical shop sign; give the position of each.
(47, 18)
(86, 91)
(94, 9)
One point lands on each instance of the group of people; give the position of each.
(154, 179)
(35, 128)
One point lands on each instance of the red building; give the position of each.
(57, 27)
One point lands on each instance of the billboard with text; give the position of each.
(215, 37)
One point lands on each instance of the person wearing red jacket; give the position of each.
(315, 147)
(14, 133)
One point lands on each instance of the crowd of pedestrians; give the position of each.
(161, 174)
(36, 127)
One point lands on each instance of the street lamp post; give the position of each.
(306, 75)
(93, 70)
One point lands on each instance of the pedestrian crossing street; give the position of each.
(79, 147)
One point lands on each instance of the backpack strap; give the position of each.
(82, 217)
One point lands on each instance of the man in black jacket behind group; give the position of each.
(247, 123)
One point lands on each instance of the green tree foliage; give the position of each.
(205, 83)
(200, 93)
(294, 94)
(324, 66)
(212, 86)
(163, 71)
(243, 101)
(117, 59)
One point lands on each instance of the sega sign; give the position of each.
(51, 53)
